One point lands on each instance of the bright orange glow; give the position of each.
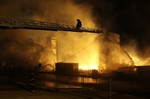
(135, 69)
(139, 61)
(138, 58)
(88, 67)
(104, 67)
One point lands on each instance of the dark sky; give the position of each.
(130, 18)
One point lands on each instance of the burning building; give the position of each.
(91, 51)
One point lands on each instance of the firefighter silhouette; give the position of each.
(79, 24)
(32, 82)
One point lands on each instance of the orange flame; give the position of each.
(88, 67)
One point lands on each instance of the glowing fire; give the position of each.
(88, 67)
(140, 61)
(139, 58)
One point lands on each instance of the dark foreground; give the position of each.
(19, 88)
(12, 91)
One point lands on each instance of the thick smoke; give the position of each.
(128, 18)
(18, 50)
(30, 47)
(140, 58)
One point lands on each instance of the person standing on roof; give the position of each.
(79, 24)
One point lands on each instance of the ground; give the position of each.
(9, 91)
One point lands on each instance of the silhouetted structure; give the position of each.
(32, 82)
(79, 24)
(66, 68)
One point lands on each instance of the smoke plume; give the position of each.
(30, 47)
(128, 18)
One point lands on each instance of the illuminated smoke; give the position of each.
(30, 46)
(135, 26)
(18, 50)
(139, 58)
